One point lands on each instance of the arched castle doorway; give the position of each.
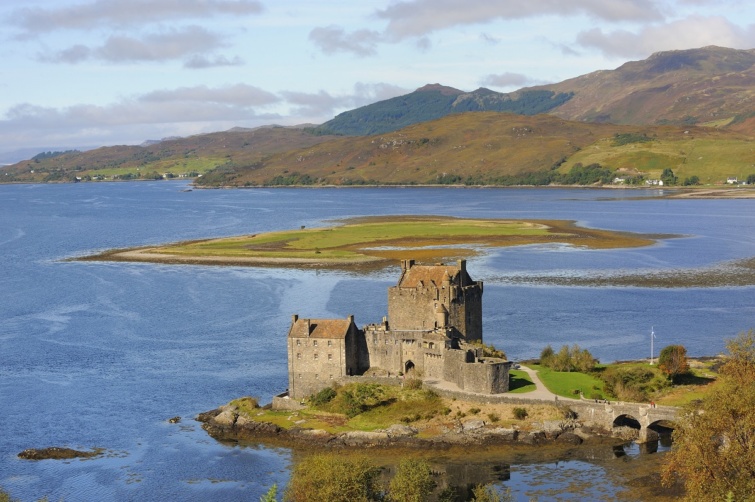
(408, 367)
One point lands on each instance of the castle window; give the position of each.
(315, 355)
(330, 343)
(298, 342)
(331, 377)
(330, 357)
(317, 377)
(314, 342)
(298, 355)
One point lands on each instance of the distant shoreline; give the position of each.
(674, 192)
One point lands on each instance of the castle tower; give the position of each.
(414, 304)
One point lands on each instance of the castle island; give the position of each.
(433, 330)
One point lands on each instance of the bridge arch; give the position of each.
(661, 429)
(626, 426)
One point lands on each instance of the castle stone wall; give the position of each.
(412, 308)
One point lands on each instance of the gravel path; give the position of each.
(540, 391)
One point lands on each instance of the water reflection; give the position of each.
(634, 449)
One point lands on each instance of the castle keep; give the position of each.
(433, 330)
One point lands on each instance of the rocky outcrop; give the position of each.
(57, 453)
(227, 424)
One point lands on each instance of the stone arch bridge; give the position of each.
(617, 414)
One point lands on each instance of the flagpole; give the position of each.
(652, 336)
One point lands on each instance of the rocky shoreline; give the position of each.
(227, 425)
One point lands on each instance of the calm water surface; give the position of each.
(102, 354)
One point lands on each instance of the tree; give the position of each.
(583, 360)
(714, 444)
(568, 358)
(673, 361)
(692, 180)
(413, 482)
(546, 356)
(333, 478)
(668, 177)
(563, 360)
(750, 179)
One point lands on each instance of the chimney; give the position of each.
(294, 318)
(351, 318)
(309, 328)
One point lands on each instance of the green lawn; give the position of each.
(564, 383)
(519, 382)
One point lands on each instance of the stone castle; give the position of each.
(433, 331)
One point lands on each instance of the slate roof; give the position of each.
(428, 275)
(320, 328)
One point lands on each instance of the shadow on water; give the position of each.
(634, 449)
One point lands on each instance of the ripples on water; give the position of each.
(102, 354)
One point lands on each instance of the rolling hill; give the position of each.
(180, 157)
(489, 148)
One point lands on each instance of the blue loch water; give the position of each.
(102, 354)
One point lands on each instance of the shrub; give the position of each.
(244, 404)
(520, 413)
(413, 481)
(493, 417)
(474, 411)
(568, 413)
(413, 384)
(446, 411)
(323, 397)
(333, 478)
(632, 383)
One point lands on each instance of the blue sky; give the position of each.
(102, 72)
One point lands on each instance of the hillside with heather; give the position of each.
(712, 86)
(490, 148)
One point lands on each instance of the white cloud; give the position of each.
(332, 39)
(155, 114)
(693, 31)
(238, 95)
(507, 79)
(179, 111)
(326, 105)
(414, 18)
(124, 13)
(167, 45)
(198, 61)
